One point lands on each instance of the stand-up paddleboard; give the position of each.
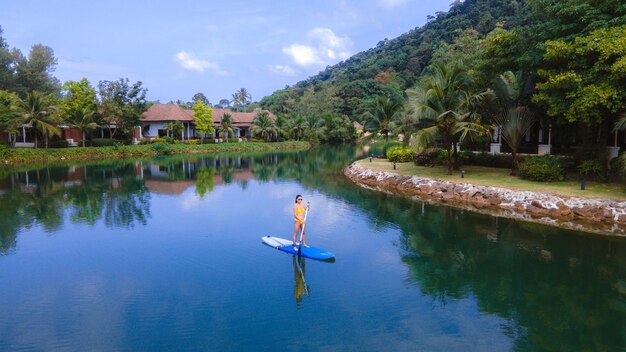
(287, 246)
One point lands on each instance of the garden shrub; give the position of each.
(399, 155)
(592, 169)
(61, 143)
(103, 142)
(545, 168)
(162, 147)
(427, 156)
(487, 159)
(5, 152)
(191, 142)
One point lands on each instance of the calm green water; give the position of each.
(165, 254)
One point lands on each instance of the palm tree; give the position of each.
(446, 104)
(226, 126)
(37, 112)
(385, 111)
(406, 124)
(241, 97)
(316, 128)
(298, 126)
(176, 128)
(514, 124)
(263, 125)
(513, 120)
(83, 121)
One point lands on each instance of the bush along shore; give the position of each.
(17, 156)
(601, 216)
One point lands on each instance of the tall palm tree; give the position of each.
(446, 104)
(263, 125)
(385, 111)
(513, 120)
(514, 123)
(226, 126)
(241, 97)
(83, 120)
(37, 112)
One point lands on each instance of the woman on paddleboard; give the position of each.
(298, 213)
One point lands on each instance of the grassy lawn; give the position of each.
(17, 156)
(487, 176)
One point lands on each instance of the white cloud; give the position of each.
(389, 4)
(189, 61)
(282, 70)
(323, 47)
(303, 55)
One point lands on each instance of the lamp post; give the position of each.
(582, 183)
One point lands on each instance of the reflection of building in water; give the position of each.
(168, 187)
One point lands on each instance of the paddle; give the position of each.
(304, 224)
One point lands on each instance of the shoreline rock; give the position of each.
(600, 216)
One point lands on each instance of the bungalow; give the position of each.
(158, 116)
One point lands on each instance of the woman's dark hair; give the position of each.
(298, 196)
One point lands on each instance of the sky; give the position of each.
(180, 48)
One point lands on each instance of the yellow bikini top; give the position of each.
(300, 210)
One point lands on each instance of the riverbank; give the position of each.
(597, 215)
(22, 156)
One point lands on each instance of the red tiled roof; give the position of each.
(167, 112)
(173, 112)
(239, 118)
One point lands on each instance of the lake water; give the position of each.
(165, 254)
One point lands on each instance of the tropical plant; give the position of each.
(175, 128)
(445, 103)
(37, 112)
(316, 128)
(405, 124)
(226, 126)
(298, 127)
(512, 121)
(241, 98)
(83, 120)
(378, 120)
(263, 125)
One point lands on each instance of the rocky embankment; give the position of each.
(602, 216)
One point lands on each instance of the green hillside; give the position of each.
(487, 36)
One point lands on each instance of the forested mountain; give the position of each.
(487, 36)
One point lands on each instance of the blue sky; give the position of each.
(179, 48)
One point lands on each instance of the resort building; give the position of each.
(155, 119)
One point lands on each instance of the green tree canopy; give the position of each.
(586, 80)
(203, 115)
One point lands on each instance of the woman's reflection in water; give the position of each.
(300, 286)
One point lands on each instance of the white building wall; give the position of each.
(154, 128)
